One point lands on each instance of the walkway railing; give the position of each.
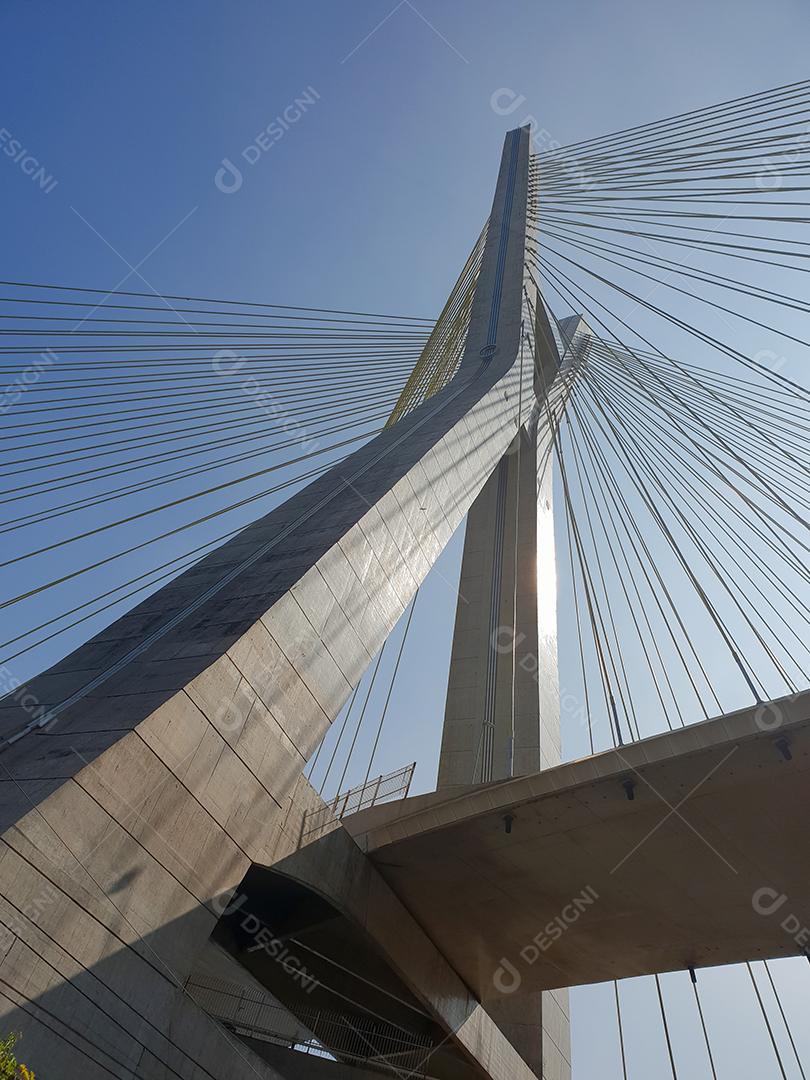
(385, 788)
(363, 1040)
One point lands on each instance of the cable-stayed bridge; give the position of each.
(218, 516)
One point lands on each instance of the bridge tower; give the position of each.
(178, 902)
(161, 767)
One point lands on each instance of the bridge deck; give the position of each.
(707, 864)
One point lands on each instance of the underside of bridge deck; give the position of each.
(686, 849)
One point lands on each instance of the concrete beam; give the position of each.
(337, 869)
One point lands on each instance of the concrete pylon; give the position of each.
(492, 725)
(146, 773)
(502, 715)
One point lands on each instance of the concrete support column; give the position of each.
(491, 728)
(502, 714)
(502, 709)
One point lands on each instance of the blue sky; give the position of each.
(378, 190)
(370, 199)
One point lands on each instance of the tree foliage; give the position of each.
(10, 1068)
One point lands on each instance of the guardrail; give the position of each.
(384, 788)
(364, 1041)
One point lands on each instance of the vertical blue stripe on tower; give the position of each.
(503, 241)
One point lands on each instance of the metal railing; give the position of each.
(363, 1040)
(380, 789)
